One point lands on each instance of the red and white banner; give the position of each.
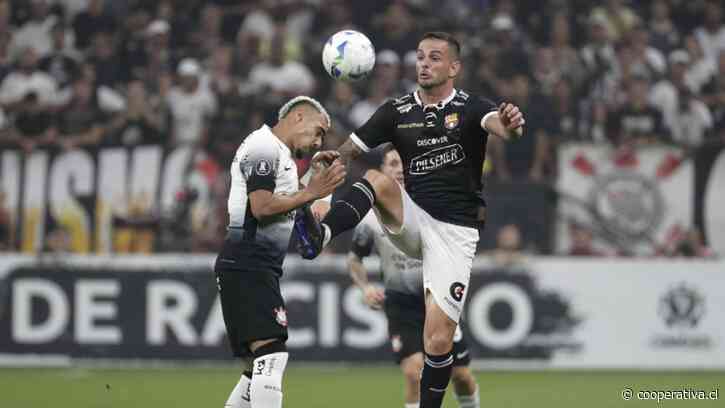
(634, 201)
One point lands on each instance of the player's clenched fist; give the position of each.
(511, 117)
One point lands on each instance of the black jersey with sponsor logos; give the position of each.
(442, 147)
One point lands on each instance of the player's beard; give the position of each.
(432, 83)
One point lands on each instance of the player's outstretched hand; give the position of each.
(511, 117)
(324, 158)
(374, 297)
(324, 182)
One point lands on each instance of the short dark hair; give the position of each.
(447, 37)
(387, 149)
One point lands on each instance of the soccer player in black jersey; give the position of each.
(440, 133)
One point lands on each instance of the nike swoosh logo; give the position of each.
(461, 355)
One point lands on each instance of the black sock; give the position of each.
(434, 380)
(349, 210)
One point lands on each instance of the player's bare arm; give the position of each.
(372, 295)
(264, 203)
(349, 151)
(506, 123)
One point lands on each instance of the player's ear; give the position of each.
(454, 69)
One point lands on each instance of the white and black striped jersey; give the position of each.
(442, 147)
(262, 162)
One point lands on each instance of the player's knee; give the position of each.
(461, 375)
(412, 368)
(268, 368)
(438, 343)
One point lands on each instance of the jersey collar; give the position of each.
(278, 140)
(440, 104)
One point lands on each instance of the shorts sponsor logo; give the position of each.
(457, 289)
(280, 314)
(396, 343)
(263, 167)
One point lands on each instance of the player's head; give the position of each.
(307, 121)
(392, 165)
(438, 59)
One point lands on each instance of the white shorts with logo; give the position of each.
(447, 251)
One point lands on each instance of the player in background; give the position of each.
(263, 198)
(404, 302)
(441, 134)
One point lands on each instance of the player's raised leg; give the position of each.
(374, 189)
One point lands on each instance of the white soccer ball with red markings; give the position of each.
(348, 56)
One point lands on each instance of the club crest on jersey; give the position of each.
(451, 121)
(280, 314)
(263, 167)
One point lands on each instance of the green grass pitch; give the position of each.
(335, 387)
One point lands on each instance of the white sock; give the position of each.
(327, 235)
(267, 372)
(469, 401)
(412, 405)
(239, 398)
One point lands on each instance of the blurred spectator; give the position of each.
(526, 158)
(6, 226)
(35, 33)
(34, 124)
(62, 61)
(341, 101)
(565, 111)
(396, 30)
(283, 77)
(203, 41)
(711, 35)
(686, 244)
(142, 122)
(636, 121)
(364, 109)
(25, 79)
(387, 70)
(701, 68)
(81, 122)
(663, 33)
(687, 118)
(598, 59)
(564, 54)
(6, 60)
(58, 241)
(648, 59)
(155, 57)
(90, 22)
(191, 105)
(409, 82)
(511, 50)
(509, 248)
(713, 94)
(106, 61)
(617, 17)
(546, 71)
(581, 244)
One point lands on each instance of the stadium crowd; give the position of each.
(204, 73)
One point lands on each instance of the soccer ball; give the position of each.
(348, 56)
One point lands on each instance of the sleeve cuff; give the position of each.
(485, 117)
(359, 143)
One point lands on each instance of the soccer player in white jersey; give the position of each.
(403, 301)
(263, 198)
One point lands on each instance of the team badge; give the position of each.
(263, 167)
(396, 343)
(281, 315)
(457, 289)
(451, 121)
